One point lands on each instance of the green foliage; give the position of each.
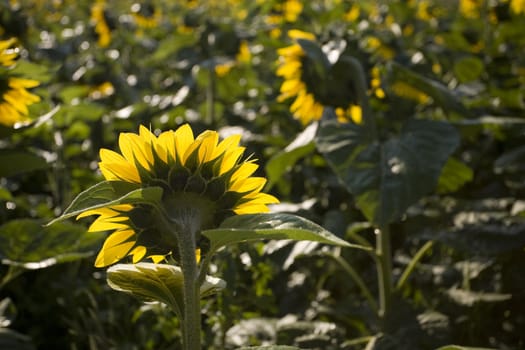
(388, 177)
(27, 243)
(438, 161)
(251, 227)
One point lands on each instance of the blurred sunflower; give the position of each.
(300, 80)
(102, 28)
(243, 56)
(146, 16)
(201, 176)
(14, 98)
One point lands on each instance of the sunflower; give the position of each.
(146, 16)
(307, 106)
(14, 98)
(102, 28)
(8, 54)
(202, 176)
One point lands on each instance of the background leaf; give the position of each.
(15, 162)
(29, 244)
(388, 177)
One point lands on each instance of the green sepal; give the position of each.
(254, 227)
(108, 193)
(157, 282)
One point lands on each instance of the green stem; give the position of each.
(384, 270)
(413, 263)
(191, 321)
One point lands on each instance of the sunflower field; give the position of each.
(250, 174)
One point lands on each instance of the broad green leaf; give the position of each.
(284, 160)
(29, 244)
(108, 193)
(16, 162)
(453, 176)
(388, 177)
(252, 227)
(157, 282)
(468, 68)
(440, 94)
(457, 347)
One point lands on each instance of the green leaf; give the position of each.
(16, 162)
(388, 177)
(468, 68)
(27, 243)
(454, 175)
(252, 227)
(457, 347)
(440, 94)
(284, 160)
(157, 282)
(108, 193)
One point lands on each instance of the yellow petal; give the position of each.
(138, 253)
(245, 170)
(115, 167)
(113, 254)
(230, 159)
(183, 140)
(250, 184)
(231, 142)
(134, 149)
(157, 258)
(106, 224)
(299, 34)
(118, 238)
(166, 141)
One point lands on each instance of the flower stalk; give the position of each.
(384, 270)
(186, 227)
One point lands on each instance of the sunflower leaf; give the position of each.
(108, 193)
(388, 177)
(26, 243)
(254, 227)
(157, 282)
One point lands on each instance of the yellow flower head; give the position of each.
(8, 53)
(305, 107)
(98, 18)
(198, 174)
(311, 89)
(14, 97)
(146, 16)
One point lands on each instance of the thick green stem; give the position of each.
(384, 270)
(192, 311)
(187, 230)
